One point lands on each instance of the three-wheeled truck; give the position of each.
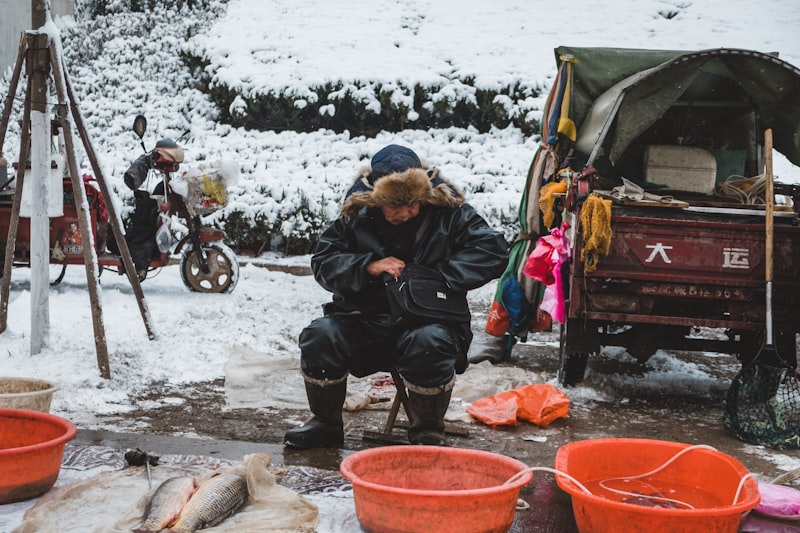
(678, 147)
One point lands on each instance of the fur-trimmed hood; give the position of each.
(409, 182)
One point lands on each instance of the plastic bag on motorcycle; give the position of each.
(205, 186)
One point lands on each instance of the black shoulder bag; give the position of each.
(421, 295)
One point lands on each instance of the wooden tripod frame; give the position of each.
(43, 53)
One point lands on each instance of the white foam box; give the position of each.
(682, 168)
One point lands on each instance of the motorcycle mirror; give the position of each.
(140, 125)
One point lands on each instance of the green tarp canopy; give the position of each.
(630, 89)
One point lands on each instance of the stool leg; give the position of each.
(390, 422)
(402, 395)
(400, 398)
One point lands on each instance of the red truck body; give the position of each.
(697, 259)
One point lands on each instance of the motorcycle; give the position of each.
(163, 196)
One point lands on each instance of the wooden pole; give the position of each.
(8, 256)
(113, 218)
(84, 221)
(41, 138)
(13, 223)
(38, 14)
(769, 201)
(12, 91)
(66, 98)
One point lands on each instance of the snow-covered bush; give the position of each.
(126, 57)
(94, 8)
(365, 108)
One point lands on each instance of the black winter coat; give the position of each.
(456, 241)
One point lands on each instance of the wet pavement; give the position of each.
(605, 407)
(548, 508)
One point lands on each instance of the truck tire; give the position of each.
(572, 353)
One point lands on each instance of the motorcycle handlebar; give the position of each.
(137, 172)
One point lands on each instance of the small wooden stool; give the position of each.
(387, 435)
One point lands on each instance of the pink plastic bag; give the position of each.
(550, 252)
(540, 263)
(544, 264)
(779, 501)
(553, 301)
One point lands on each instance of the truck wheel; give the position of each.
(572, 355)
(223, 269)
(644, 342)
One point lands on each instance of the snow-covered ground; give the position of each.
(305, 43)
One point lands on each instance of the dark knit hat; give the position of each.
(393, 158)
(397, 177)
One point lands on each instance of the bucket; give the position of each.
(26, 393)
(703, 477)
(420, 489)
(31, 450)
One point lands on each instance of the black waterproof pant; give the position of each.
(426, 355)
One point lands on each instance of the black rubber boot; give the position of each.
(427, 412)
(325, 429)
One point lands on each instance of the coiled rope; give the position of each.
(748, 191)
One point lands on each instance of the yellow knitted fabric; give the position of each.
(596, 223)
(547, 199)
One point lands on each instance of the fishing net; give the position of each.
(763, 404)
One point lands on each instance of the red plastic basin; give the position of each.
(31, 450)
(422, 489)
(699, 472)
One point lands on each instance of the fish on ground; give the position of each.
(215, 499)
(166, 504)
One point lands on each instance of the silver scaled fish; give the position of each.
(166, 504)
(216, 499)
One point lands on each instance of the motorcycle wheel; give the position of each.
(59, 276)
(223, 269)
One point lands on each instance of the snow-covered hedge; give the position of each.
(365, 107)
(126, 57)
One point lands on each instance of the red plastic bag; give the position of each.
(539, 404)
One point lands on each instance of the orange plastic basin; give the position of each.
(422, 489)
(31, 449)
(706, 478)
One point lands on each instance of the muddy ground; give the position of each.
(617, 399)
